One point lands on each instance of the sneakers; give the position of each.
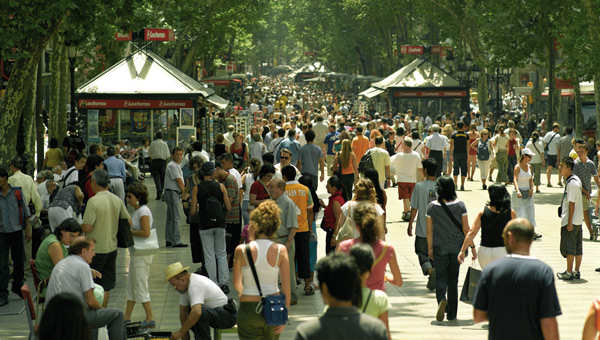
(484, 187)
(537, 236)
(560, 184)
(597, 269)
(406, 216)
(576, 275)
(431, 280)
(549, 185)
(441, 310)
(565, 275)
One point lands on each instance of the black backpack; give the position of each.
(213, 215)
(366, 162)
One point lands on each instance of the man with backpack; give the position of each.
(72, 145)
(208, 200)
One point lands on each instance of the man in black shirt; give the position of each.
(72, 146)
(459, 153)
(516, 293)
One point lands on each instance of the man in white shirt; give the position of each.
(436, 146)
(408, 166)
(19, 179)
(72, 175)
(202, 304)
(571, 220)
(174, 192)
(275, 142)
(321, 128)
(158, 151)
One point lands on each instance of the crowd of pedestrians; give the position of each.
(253, 200)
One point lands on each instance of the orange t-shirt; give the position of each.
(360, 145)
(300, 194)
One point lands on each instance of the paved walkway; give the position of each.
(413, 313)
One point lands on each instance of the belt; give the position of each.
(436, 151)
(116, 177)
(177, 191)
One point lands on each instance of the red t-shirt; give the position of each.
(511, 147)
(259, 190)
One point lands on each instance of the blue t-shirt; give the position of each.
(331, 138)
(516, 292)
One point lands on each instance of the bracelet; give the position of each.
(472, 247)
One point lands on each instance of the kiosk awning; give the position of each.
(221, 103)
(371, 92)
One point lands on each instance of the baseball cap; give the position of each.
(208, 167)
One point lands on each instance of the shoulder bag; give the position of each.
(146, 245)
(453, 219)
(347, 229)
(124, 237)
(273, 307)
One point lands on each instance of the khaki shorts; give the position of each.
(585, 203)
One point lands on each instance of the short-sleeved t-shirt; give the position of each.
(201, 290)
(260, 190)
(103, 212)
(70, 275)
(501, 142)
(330, 139)
(406, 166)
(585, 172)
(423, 193)
(310, 154)
(517, 292)
(572, 193)
(233, 215)
(172, 173)
(444, 230)
(301, 196)
(289, 217)
(552, 139)
(135, 221)
(460, 139)
(378, 304)
(381, 159)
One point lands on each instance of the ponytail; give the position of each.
(367, 221)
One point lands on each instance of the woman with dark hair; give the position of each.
(447, 225)
(522, 197)
(381, 195)
(333, 210)
(53, 248)
(66, 204)
(142, 223)
(369, 228)
(248, 180)
(258, 191)
(64, 318)
(347, 167)
(195, 243)
(93, 163)
(239, 151)
(312, 244)
(53, 155)
(491, 221)
(537, 162)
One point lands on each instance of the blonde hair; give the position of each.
(447, 130)
(265, 219)
(364, 190)
(367, 221)
(346, 153)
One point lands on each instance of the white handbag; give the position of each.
(146, 246)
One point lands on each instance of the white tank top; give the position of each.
(523, 179)
(268, 275)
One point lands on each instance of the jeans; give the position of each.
(446, 270)
(439, 160)
(347, 183)
(15, 243)
(502, 159)
(215, 255)
(245, 212)
(314, 179)
(172, 224)
(512, 161)
(111, 317)
(158, 168)
(216, 318)
(422, 253)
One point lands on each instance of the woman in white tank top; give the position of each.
(271, 263)
(522, 197)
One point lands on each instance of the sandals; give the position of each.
(308, 290)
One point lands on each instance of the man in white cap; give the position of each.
(202, 303)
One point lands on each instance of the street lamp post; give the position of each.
(72, 51)
(502, 75)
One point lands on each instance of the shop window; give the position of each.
(135, 126)
(166, 121)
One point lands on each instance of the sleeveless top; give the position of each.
(523, 179)
(43, 261)
(240, 152)
(249, 181)
(268, 276)
(492, 225)
(219, 150)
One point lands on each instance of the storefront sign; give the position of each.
(406, 49)
(123, 36)
(431, 94)
(133, 104)
(159, 34)
(563, 83)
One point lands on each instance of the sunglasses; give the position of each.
(284, 157)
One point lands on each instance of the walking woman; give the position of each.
(272, 264)
(333, 210)
(447, 168)
(142, 223)
(536, 146)
(500, 143)
(447, 225)
(368, 224)
(239, 151)
(248, 180)
(522, 197)
(472, 160)
(485, 154)
(373, 175)
(491, 221)
(258, 190)
(348, 167)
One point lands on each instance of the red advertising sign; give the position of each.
(159, 34)
(406, 49)
(431, 94)
(133, 104)
(563, 83)
(436, 49)
(123, 36)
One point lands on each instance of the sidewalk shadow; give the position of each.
(453, 323)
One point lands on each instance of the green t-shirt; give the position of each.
(43, 261)
(377, 304)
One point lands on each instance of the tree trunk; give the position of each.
(28, 121)
(551, 85)
(578, 111)
(54, 107)
(39, 121)
(482, 91)
(597, 99)
(63, 95)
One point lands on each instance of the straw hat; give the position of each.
(173, 269)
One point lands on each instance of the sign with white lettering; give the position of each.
(159, 34)
(430, 94)
(128, 104)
